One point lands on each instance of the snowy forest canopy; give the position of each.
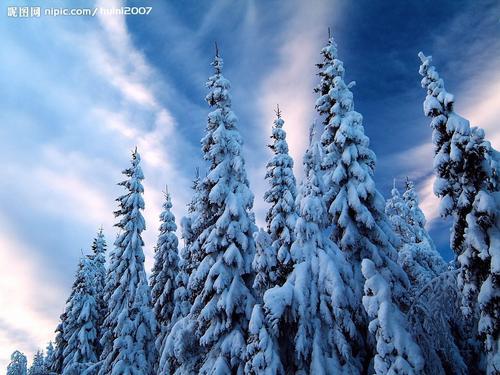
(340, 281)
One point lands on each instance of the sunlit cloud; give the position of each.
(23, 323)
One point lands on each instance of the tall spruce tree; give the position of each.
(282, 215)
(329, 68)
(222, 280)
(467, 181)
(359, 225)
(18, 364)
(130, 325)
(80, 329)
(164, 272)
(313, 308)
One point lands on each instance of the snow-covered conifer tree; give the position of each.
(60, 345)
(95, 264)
(434, 319)
(329, 68)
(397, 213)
(49, 357)
(180, 350)
(416, 218)
(468, 182)
(222, 280)
(416, 253)
(262, 352)
(80, 328)
(359, 225)
(128, 341)
(281, 216)
(264, 263)
(164, 272)
(193, 228)
(98, 257)
(396, 351)
(18, 364)
(181, 293)
(37, 367)
(313, 308)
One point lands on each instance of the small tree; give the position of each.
(18, 364)
(180, 350)
(98, 258)
(80, 329)
(129, 326)
(37, 367)
(416, 252)
(397, 213)
(61, 343)
(164, 272)
(49, 357)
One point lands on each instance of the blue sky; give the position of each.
(79, 93)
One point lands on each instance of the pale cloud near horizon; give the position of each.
(22, 325)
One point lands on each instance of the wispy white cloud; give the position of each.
(114, 107)
(23, 322)
(292, 81)
(290, 84)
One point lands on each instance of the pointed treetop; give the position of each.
(312, 132)
(217, 63)
(135, 154)
(166, 192)
(424, 58)
(278, 112)
(197, 173)
(329, 34)
(408, 182)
